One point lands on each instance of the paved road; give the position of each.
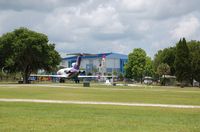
(98, 103)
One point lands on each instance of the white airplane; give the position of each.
(71, 72)
(74, 70)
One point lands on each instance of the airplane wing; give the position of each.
(80, 76)
(86, 76)
(36, 75)
(64, 76)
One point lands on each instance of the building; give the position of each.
(99, 63)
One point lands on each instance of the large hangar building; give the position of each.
(105, 63)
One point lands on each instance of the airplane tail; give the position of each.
(79, 56)
(78, 62)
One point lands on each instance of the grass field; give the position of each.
(107, 118)
(161, 95)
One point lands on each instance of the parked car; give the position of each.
(148, 80)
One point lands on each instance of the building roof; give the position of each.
(117, 56)
(107, 55)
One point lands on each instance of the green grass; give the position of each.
(24, 117)
(159, 95)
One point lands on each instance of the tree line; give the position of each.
(182, 61)
(24, 51)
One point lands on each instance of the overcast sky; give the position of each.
(96, 26)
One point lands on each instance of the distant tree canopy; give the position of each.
(194, 47)
(138, 65)
(149, 71)
(163, 69)
(185, 64)
(27, 51)
(166, 56)
(182, 62)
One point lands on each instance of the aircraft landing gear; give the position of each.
(62, 80)
(76, 80)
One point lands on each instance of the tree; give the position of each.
(128, 72)
(163, 69)
(194, 47)
(167, 56)
(27, 51)
(135, 66)
(1, 55)
(196, 66)
(182, 62)
(121, 77)
(149, 67)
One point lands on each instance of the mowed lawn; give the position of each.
(28, 117)
(23, 117)
(145, 94)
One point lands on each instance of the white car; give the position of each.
(148, 80)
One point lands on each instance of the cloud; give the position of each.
(36, 5)
(11, 20)
(158, 9)
(72, 24)
(186, 27)
(105, 25)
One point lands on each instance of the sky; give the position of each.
(99, 26)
